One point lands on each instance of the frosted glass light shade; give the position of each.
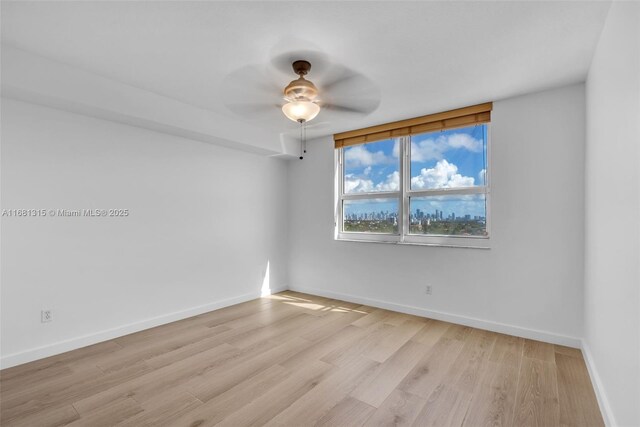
(301, 110)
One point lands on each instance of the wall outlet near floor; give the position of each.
(46, 316)
(428, 290)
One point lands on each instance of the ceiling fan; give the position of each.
(341, 90)
(341, 94)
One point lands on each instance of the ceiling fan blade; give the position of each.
(346, 109)
(338, 76)
(348, 91)
(361, 106)
(251, 83)
(251, 109)
(317, 125)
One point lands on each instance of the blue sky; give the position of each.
(463, 150)
(449, 159)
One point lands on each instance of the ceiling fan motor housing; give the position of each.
(301, 67)
(301, 89)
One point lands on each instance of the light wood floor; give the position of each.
(295, 360)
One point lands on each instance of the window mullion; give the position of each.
(339, 207)
(359, 196)
(448, 191)
(401, 190)
(406, 171)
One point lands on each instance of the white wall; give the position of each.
(528, 283)
(612, 274)
(204, 223)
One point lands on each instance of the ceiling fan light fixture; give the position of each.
(301, 111)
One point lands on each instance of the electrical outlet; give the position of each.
(46, 316)
(428, 290)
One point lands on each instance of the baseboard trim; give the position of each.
(36, 353)
(488, 325)
(598, 387)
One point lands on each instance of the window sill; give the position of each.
(463, 243)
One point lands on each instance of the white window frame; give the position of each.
(403, 196)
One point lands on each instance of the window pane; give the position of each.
(371, 216)
(449, 159)
(457, 215)
(372, 167)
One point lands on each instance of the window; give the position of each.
(420, 188)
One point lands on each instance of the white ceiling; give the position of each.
(422, 57)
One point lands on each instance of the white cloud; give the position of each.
(357, 185)
(434, 148)
(359, 156)
(426, 150)
(443, 175)
(463, 140)
(392, 183)
(353, 184)
(367, 170)
(396, 149)
(482, 175)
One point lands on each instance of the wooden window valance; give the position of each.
(460, 117)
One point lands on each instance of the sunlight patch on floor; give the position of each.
(308, 304)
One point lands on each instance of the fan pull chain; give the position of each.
(301, 139)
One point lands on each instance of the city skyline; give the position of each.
(473, 205)
(417, 215)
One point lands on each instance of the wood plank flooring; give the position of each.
(299, 360)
